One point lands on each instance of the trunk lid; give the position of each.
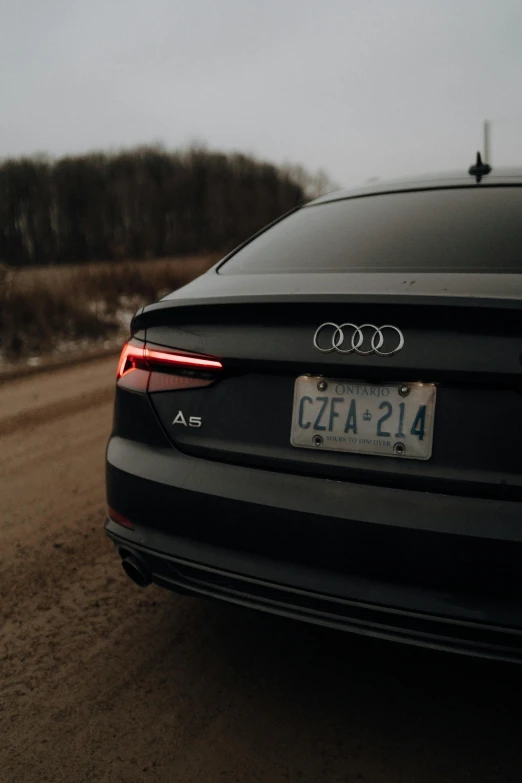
(468, 344)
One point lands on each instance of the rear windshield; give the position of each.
(474, 229)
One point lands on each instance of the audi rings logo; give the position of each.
(363, 340)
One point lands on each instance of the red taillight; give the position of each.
(119, 518)
(132, 358)
(140, 366)
(163, 381)
(133, 371)
(182, 360)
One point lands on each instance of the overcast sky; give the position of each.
(361, 88)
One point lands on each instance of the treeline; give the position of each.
(142, 203)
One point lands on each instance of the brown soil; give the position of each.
(101, 681)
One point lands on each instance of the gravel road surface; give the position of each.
(101, 681)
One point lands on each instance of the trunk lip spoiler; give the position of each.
(141, 318)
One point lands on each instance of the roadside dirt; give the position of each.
(101, 681)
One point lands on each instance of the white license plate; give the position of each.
(387, 419)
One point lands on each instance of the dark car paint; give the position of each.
(346, 288)
(451, 179)
(378, 556)
(461, 290)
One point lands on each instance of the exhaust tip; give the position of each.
(135, 571)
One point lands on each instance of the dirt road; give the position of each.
(101, 681)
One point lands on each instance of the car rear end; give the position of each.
(332, 439)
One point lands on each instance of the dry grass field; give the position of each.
(60, 309)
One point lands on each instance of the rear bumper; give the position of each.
(247, 537)
(324, 598)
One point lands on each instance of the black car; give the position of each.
(328, 424)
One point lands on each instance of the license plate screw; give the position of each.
(404, 390)
(317, 440)
(322, 385)
(399, 449)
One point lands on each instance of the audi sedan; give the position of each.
(327, 425)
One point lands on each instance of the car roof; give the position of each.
(453, 179)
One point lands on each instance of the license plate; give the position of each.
(387, 419)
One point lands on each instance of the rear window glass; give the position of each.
(476, 229)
